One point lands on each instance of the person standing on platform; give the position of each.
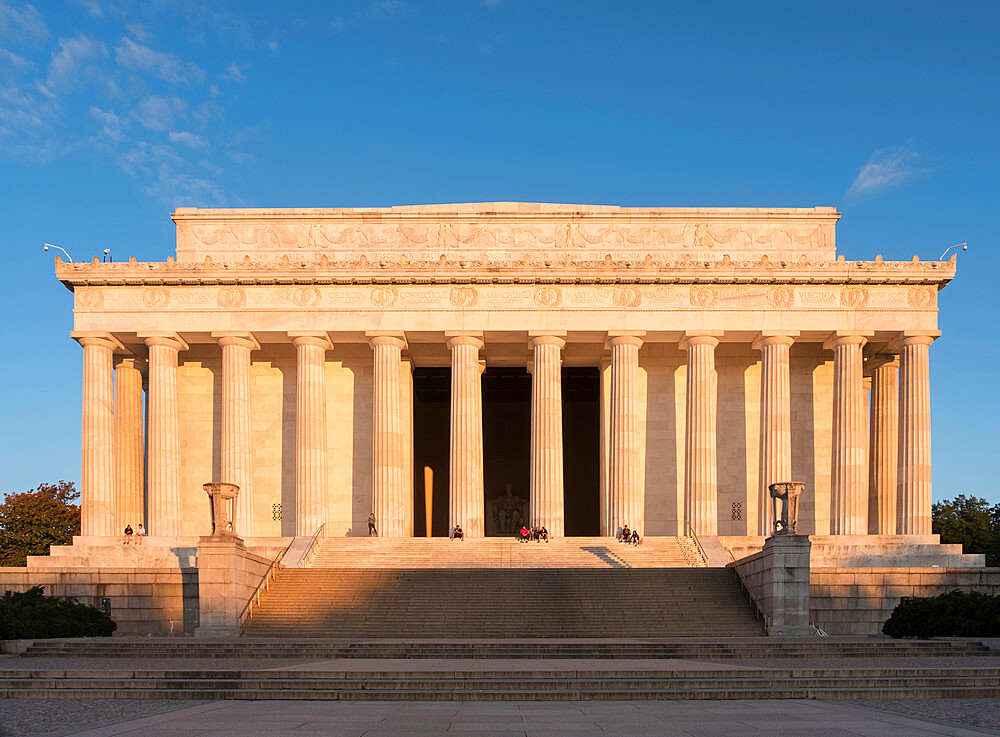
(372, 530)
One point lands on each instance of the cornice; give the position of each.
(503, 212)
(530, 270)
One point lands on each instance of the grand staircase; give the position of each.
(501, 588)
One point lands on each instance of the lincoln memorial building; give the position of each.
(585, 367)
(490, 365)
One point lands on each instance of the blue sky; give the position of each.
(113, 113)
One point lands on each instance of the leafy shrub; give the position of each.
(33, 615)
(955, 614)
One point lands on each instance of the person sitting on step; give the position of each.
(543, 534)
(128, 534)
(523, 534)
(626, 534)
(457, 533)
(634, 539)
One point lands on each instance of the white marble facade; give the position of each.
(735, 349)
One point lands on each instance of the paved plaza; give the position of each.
(893, 717)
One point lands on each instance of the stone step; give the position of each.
(826, 648)
(576, 552)
(502, 686)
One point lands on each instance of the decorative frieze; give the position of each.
(501, 228)
(493, 297)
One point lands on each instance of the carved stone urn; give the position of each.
(223, 499)
(788, 493)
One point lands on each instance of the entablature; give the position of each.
(563, 270)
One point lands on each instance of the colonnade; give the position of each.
(880, 475)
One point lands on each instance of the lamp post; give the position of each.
(964, 247)
(47, 246)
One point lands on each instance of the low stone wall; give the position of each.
(857, 601)
(148, 601)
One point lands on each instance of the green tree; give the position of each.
(971, 521)
(33, 520)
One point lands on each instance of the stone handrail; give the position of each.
(748, 587)
(310, 550)
(689, 531)
(262, 587)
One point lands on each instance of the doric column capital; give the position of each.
(243, 339)
(97, 338)
(921, 338)
(709, 338)
(625, 338)
(766, 339)
(474, 341)
(377, 339)
(165, 340)
(847, 337)
(547, 340)
(316, 338)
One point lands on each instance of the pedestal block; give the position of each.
(786, 587)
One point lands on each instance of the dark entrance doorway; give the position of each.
(507, 445)
(581, 395)
(431, 423)
(506, 448)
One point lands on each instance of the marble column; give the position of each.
(389, 474)
(310, 431)
(913, 513)
(129, 442)
(701, 510)
(466, 502)
(164, 474)
(98, 513)
(775, 423)
(883, 448)
(626, 494)
(849, 475)
(237, 445)
(546, 505)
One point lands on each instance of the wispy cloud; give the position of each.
(111, 90)
(887, 168)
(24, 26)
(112, 125)
(232, 73)
(168, 67)
(188, 139)
(15, 61)
(138, 30)
(78, 60)
(91, 6)
(159, 113)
